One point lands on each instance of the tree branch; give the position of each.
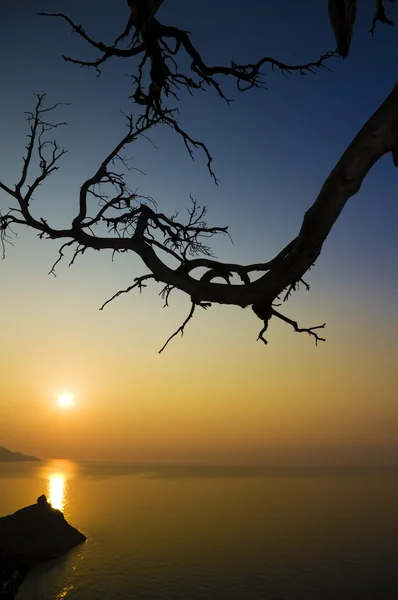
(165, 75)
(380, 15)
(144, 231)
(138, 283)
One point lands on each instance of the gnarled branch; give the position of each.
(134, 225)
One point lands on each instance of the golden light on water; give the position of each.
(57, 489)
(57, 474)
(65, 591)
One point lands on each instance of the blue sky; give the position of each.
(272, 149)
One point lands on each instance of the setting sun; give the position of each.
(66, 400)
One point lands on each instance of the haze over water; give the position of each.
(180, 532)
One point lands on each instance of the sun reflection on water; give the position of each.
(64, 592)
(57, 488)
(57, 474)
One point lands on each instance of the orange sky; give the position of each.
(214, 396)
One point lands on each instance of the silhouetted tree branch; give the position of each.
(163, 65)
(128, 222)
(380, 15)
(174, 250)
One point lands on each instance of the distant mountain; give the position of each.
(8, 456)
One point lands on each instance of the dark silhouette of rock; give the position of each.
(37, 532)
(11, 579)
(42, 501)
(8, 456)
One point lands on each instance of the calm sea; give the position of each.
(190, 533)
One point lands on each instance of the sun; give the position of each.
(66, 400)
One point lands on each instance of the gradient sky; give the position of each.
(216, 395)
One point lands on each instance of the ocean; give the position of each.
(214, 533)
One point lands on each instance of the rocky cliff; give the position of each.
(37, 532)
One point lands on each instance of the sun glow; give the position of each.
(66, 400)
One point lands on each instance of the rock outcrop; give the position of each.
(37, 532)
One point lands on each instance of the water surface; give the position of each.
(194, 533)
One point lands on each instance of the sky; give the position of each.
(215, 395)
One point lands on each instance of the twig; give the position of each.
(181, 327)
(139, 283)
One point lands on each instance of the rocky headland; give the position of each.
(35, 533)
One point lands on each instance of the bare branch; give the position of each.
(103, 175)
(310, 330)
(165, 75)
(134, 226)
(190, 142)
(294, 287)
(61, 256)
(380, 15)
(138, 283)
(181, 327)
(108, 51)
(249, 74)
